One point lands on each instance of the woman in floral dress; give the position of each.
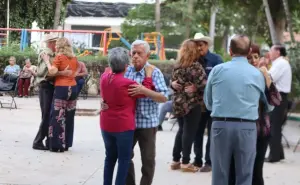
(61, 127)
(187, 106)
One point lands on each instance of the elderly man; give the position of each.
(146, 118)
(281, 74)
(232, 93)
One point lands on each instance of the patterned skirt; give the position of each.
(61, 127)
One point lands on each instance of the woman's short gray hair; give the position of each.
(118, 59)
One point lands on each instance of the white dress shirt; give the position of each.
(281, 74)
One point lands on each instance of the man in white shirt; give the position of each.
(281, 74)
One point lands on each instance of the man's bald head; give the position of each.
(240, 45)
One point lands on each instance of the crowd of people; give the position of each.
(242, 103)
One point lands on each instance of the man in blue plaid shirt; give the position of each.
(146, 111)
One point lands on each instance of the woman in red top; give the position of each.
(117, 122)
(61, 126)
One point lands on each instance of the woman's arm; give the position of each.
(52, 69)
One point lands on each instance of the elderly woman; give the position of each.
(186, 105)
(12, 71)
(263, 122)
(25, 78)
(118, 121)
(61, 127)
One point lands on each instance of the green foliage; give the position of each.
(294, 58)
(24, 12)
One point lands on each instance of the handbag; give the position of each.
(25, 74)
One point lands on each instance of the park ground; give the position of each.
(83, 164)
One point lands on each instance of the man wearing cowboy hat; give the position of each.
(46, 90)
(208, 60)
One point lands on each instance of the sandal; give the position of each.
(175, 165)
(189, 168)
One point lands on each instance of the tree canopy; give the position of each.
(24, 12)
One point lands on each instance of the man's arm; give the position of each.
(276, 72)
(208, 90)
(161, 93)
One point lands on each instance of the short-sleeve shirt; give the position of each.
(61, 62)
(15, 69)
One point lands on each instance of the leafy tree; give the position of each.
(24, 12)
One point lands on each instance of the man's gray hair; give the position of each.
(118, 59)
(141, 42)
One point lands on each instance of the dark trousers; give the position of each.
(61, 128)
(277, 117)
(237, 139)
(261, 149)
(146, 139)
(205, 122)
(185, 136)
(46, 91)
(23, 86)
(80, 83)
(118, 146)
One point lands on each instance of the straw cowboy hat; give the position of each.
(201, 37)
(50, 37)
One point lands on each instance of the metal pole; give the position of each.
(7, 21)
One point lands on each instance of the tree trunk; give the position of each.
(225, 38)
(280, 26)
(188, 21)
(212, 24)
(288, 19)
(273, 34)
(57, 14)
(157, 15)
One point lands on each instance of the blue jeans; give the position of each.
(164, 109)
(118, 146)
(80, 84)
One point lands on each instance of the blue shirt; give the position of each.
(211, 60)
(146, 115)
(15, 69)
(233, 90)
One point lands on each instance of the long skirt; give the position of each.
(61, 127)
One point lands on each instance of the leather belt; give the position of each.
(233, 119)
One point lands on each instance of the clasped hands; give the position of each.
(135, 89)
(188, 89)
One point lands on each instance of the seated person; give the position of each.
(25, 78)
(12, 71)
(82, 72)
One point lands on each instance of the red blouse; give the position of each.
(120, 116)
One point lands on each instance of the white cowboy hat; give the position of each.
(50, 36)
(201, 37)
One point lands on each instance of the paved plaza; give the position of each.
(83, 164)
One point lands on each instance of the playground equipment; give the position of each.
(111, 38)
(103, 33)
(2, 39)
(158, 40)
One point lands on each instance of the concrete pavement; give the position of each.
(83, 164)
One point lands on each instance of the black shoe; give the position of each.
(159, 128)
(67, 149)
(58, 150)
(271, 160)
(39, 147)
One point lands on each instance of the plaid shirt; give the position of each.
(146, 115)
